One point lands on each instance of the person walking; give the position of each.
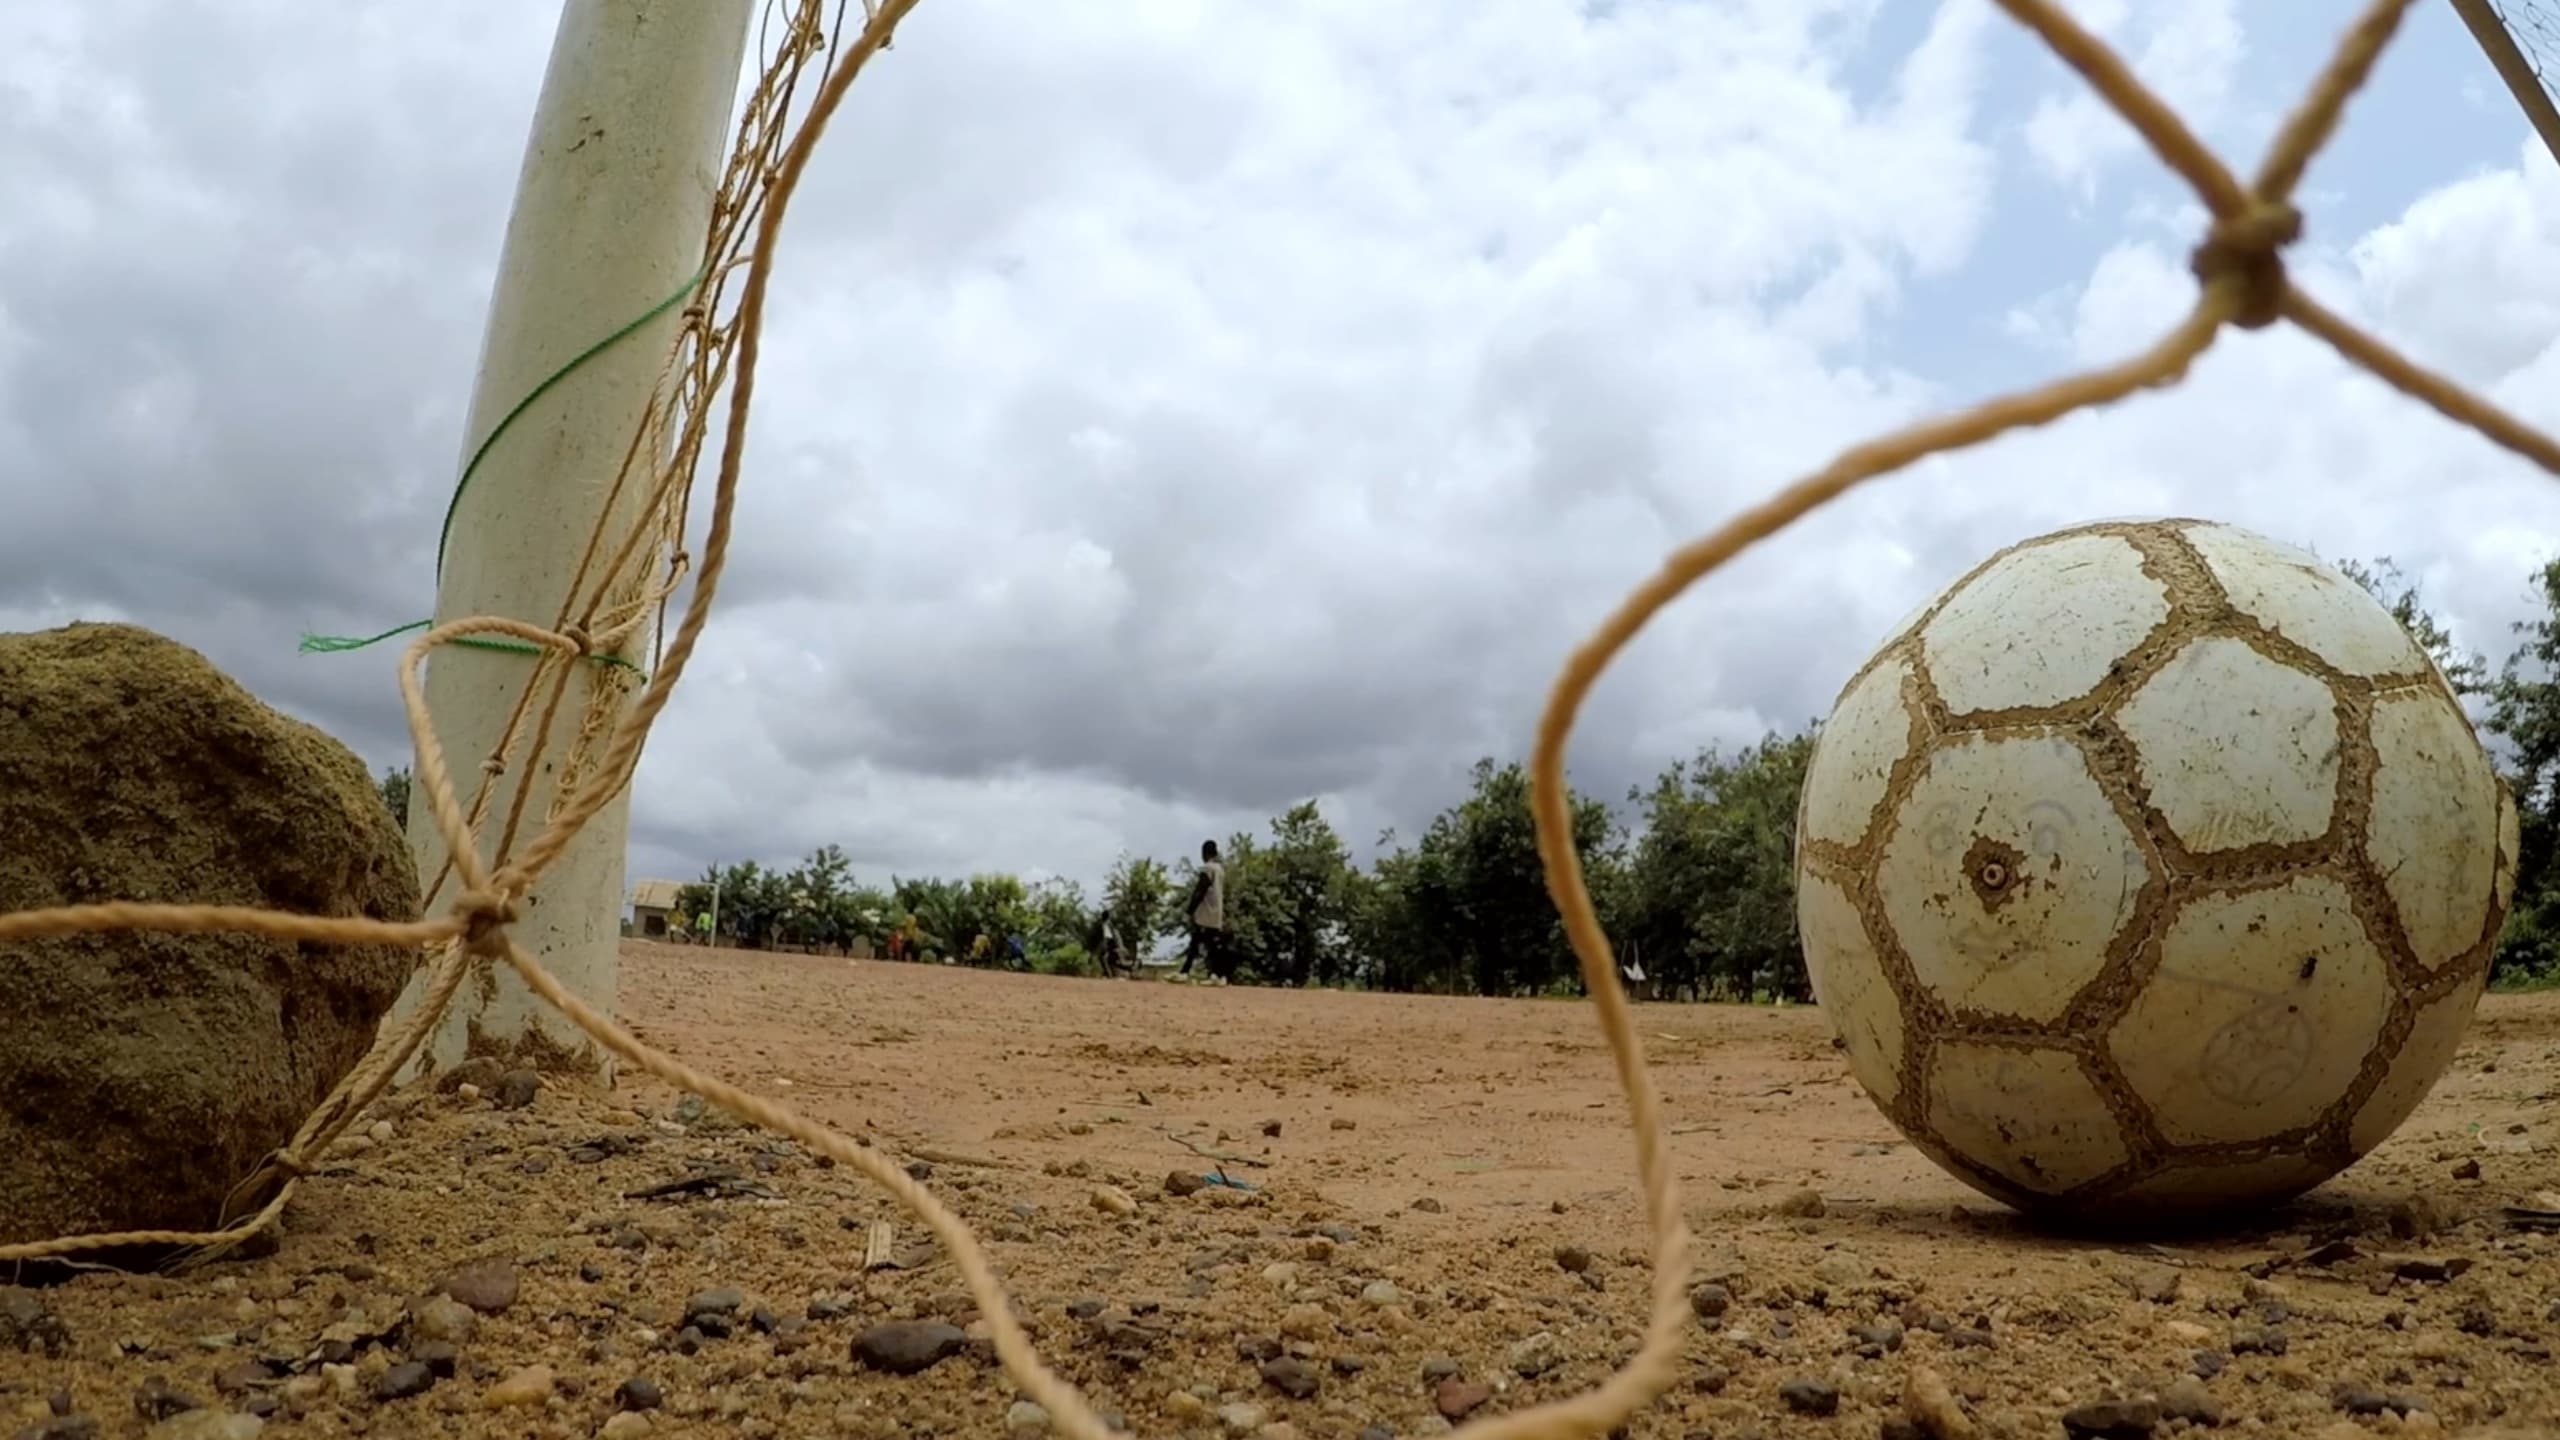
(1207, 915)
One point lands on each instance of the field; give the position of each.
(1443, 1222)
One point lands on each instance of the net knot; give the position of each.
(2248, 249)
(483, 914)
(578, 639)
(289, 1162)
(493, 767)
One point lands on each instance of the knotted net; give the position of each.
(2242, 281)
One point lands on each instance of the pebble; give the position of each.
(1536, 1355)
(1183, 1182)
(2112, 1419)
(1345, 1122)
(440, 1317)
(720, 1300)
(1810, 1397)
(1380, 1292)
(1306, 1322)
(905, 1347)
(1456, 1399)
(625, 1426)
(155, 1400)
(639, 1393)
(206, 1425)
(342, 1380)
(1933, 1408)
(1709, 1302)
(1241, 1418)
(62, 1427)
(1572, 1259)
(488, 1286)
(517, 1088)
(1799, 1204)
(1429, 1206)
(529, 1386)
(1112, 1200)
(2188, 1400)
(402, 1381)
(1026, 1415)
(1290, 1376)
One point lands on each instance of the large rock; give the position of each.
(143, 1075)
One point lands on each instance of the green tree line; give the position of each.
(1693, 874)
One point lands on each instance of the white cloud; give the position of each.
(1171, 413)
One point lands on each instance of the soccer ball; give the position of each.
(2150, 869)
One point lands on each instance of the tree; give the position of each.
(1468, 906)
(815, 912)
(2524, 711)
(394, 786)
(1710, 891)
(2468, 674)
(1062, 936)
(1138, 899)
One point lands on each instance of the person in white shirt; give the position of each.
(1207, 915)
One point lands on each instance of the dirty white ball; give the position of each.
(2151, 868)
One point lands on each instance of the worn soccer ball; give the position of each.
(2150, 869)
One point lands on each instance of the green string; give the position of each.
(338, 644)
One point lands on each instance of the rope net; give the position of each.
(2242, 281)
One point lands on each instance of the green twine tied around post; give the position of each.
(340, 644)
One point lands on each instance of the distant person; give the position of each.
(1207, 913)
(1115, 960)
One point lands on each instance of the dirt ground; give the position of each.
(1443, 1222)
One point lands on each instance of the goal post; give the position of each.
(2497, 41)
(612, 209)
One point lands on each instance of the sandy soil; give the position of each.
(1443, 1215)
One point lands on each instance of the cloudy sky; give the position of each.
(1176, 410)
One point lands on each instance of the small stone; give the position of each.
(1380, 1292)
(1085, 1307)
(639, 1393)
(1241, 1418)
(2467, 1170)
(467, 1090)
(440, 1317)
(1290, 1376)
(720, 1300)
(1456, 1399)
(403, 1381)
(1112, 1200)
(2186, 1332)
(62, 1427)
(1183, 1182)
(1271, 1129)
(1839, 1272)
(1345, 1122)
(488, 1286)
(2157, 1285)
(627, 1425)
(1799, 1205)
(58, 1401)
(1438, 1368)
(1429, 1206)
(1810, 1397)
(2112, 1419)
(1306, 1322)
(1572, 1259)
(1024, 1415)
(381, 1132)
(342, 1380)
(1933, 1408)
(906, 1347)
(516, 1089)
(1536, 1355)
(155, 1400)
(529, 1386)
(2187, 1399)
(1709, 1302)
